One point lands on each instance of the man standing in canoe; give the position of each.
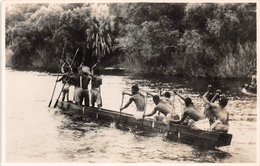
(138, 99)
(66, 74)
(80, 79)
(84, 81)
(96, 82)
(165, 108)
(200, 121)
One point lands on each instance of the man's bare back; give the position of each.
(194, 113)
(139, 101)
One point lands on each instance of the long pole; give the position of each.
(118, 121)
(67, 77)
(54, 87)
(57, 75)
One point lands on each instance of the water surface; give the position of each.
(36, 133)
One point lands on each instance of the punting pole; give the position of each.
(58, 75)
(67, 76)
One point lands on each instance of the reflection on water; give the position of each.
(36, 133)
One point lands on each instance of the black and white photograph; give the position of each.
(160, 82)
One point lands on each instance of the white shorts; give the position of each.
(138, 115)
(202, 124)
(167, 118)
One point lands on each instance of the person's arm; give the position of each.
(218, 91)
(126, 93)
(179, 95)
(204, 97)
(214, 98)
(152, 113)
(127, 104)
(62, 77)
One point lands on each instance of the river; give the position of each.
(35, 133)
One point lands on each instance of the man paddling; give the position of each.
(199, 120)
(207, 98)
(138, 99)
(162, 106)
(220, 112)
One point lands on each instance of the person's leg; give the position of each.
(63, 96)
(67, 95)
(77, 96)
(92, 98)
(86, 97)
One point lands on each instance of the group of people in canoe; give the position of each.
(214, 117)
(80, 77)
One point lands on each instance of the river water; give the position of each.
(36, 133)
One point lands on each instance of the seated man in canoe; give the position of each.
(208, 97)
(165, 108)
(138, 99)
(169, 99)
(165, 98)
(198, 120)
(220, 113)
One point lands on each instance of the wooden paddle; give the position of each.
(57, 75)
(118, 121)
(66, 79)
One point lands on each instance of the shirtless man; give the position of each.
(221, 114)
(208, 109)
(95, 89)
(170, 100)
(138, 99)
(201, 122)
(80, 79)
(65, 91)
(165, 108)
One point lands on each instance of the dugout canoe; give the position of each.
(249, 90)
(175, 132)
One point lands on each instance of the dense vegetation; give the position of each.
(208, 39)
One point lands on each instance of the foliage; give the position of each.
(195, 39)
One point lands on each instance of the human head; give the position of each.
(167, 94)
(210, 89)
(188, 102)
(135, 89)
(156, 99)
(223, 101)
(85, 70)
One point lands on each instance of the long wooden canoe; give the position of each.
(175, 132)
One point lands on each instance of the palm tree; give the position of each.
(98, 38)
